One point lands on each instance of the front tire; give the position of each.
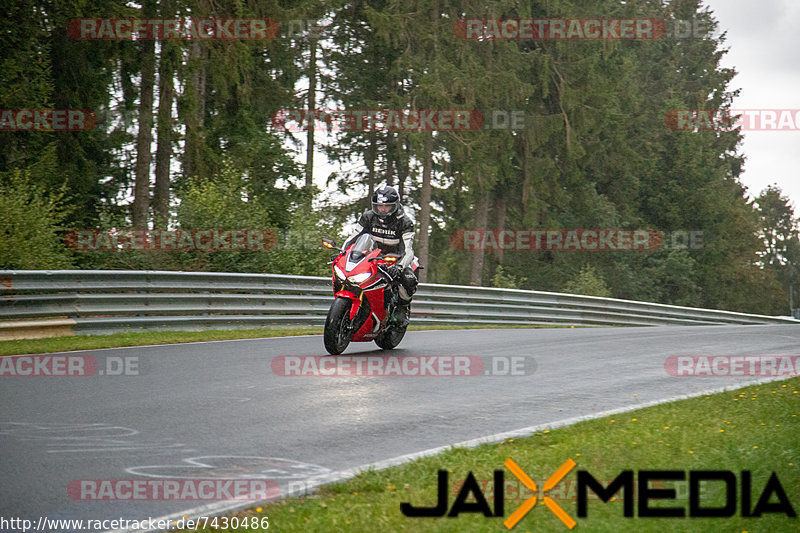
(337, 332)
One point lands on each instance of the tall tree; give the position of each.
(363, 61)
(166, 135)
(26, 68)
(423, 241)
(144, 137)
(778, 226)
(312, 105)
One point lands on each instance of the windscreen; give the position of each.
(363, 245)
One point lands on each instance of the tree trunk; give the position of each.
(369, 160)
(166, 94)
(389, 176)
(500, 208)
(526, 174)
(144, 138)
(481, 217)
(402, 167)
(312, 102)
(425, 208)
(195, 110)
(390, 173)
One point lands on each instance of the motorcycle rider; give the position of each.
(393, 230)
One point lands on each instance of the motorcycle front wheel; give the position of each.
(337, 332)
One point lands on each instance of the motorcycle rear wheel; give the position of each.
(391, 338)
(337, 332)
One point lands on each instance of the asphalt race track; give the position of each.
(218, 410)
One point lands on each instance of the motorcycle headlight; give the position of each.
(358, 278)
(339, 272)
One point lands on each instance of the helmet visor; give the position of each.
(384, 210)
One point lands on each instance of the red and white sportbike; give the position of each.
(366, 297)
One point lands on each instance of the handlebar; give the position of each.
(385, 273)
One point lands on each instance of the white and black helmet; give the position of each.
(385, 201)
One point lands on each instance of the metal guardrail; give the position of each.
(38, 303)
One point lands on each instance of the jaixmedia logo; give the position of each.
(638, 492)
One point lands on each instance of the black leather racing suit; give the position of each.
(394, 234)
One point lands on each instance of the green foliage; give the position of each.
(504, 280)
(26, 71)
(221, 201)
(29, 226)
(299, 248)
(676, 275)
(780, 258)
(778, 228)
(589, 283)
(228, 202)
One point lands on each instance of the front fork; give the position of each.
(355, 301)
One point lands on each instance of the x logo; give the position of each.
(554, 480)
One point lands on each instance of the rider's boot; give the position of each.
(402, 313)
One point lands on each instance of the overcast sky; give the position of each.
(764, 48)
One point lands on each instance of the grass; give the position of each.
(142, 338)
(753, 428)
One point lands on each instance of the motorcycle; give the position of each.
(365, 297)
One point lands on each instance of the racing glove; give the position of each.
(393, 271)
